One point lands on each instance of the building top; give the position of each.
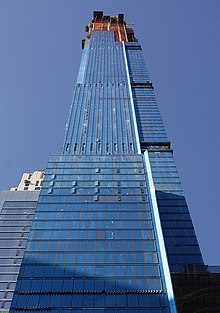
(101, 22)
(30, 181)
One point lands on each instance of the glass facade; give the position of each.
(182, 247)
(111, 220)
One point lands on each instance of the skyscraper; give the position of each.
(111, 222)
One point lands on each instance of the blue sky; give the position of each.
(40, 51)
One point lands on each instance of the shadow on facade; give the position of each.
(43, 286)
(182, 247)
(196, 288)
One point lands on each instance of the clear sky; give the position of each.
(40, 51)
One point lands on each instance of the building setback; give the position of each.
(111, 224)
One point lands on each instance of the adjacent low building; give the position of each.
(17, 208)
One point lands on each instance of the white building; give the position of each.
(30, 181)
